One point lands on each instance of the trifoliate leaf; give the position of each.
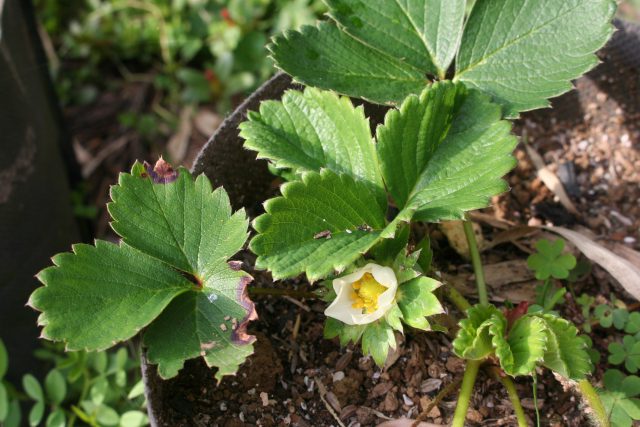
(566, 352)
(627, 352)
(549, 261)
(523, 52)
(473, 340)
(620, 398)
(320, 225)
(445, 152)
(328, 58)
(378, 337)
(423, 33)
(521, 347)
(178, 235)
(314, 130)
(417, 301)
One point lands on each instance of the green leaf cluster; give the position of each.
(170, 275)
(522, 344)
(97, 388)
(440, 154)
(620, 398)
(520, 53)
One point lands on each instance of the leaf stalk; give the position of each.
(590, 395)
(468, 381)
(476, 262)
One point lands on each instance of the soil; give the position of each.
(591, 141)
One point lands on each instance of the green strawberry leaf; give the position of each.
(549, 260)
(417, 301)
(520, 348)
(620, 398)
(566, 352)
(321, 224)
(313, 130)
(177, 237)
(377, 338)
(128, 290)
(473, 340)
(328, 58)
(211, 324)
(523, 53)
(445, 152)
(423, 33)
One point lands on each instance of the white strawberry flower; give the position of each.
(363, 296)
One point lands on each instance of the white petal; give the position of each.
(341, 308)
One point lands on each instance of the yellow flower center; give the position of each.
(366, 291)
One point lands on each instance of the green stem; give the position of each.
(476, 262)
(469, 379)
(457, 298)
(593, 400)
(507, 382)
(281, 292)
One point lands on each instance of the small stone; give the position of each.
(338, 376)
(407, 400)
(265, 398)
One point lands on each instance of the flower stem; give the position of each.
(593, 400)
(469, 379)
(281, 292)
(476, 262)
(457, 298)
(507, 382)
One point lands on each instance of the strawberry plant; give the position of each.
(345, 216)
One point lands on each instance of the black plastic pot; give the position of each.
(248, 180)
(36, 216)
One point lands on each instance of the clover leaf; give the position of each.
(549, 260)
(627, 352)
(633, 323)
(170, 274)
(620, 398)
